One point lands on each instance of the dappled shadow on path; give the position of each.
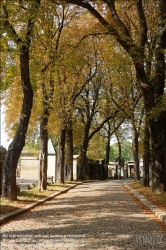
(104, 216)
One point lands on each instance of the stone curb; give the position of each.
(6, 217)
(158, 212)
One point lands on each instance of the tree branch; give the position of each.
(102, 124)
(123, 29)
(143, 24)
(120, 31)
(9, 28)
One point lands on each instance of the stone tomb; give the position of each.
(30, 164)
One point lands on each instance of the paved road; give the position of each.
(98, 215)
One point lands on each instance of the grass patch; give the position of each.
(157, 199)
(26, 197)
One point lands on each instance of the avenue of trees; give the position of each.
(80, 72)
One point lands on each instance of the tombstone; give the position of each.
(3, 152)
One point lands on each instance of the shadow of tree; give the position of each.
(103, 217)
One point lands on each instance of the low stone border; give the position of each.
(6, 217)
(158, 212)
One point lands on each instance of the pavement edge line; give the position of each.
(158, 212)
(6, 217)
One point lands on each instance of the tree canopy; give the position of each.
(89, 66)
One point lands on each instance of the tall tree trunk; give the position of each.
(158, 144)
(15, 148)
(156, 129)
(145, 180)
(69, 153)
(119, 150)
(152, 92)
(108, 151)
(158, 151)
(105, 172)
(47, 101)
(163, 121)
(135, 152)
(82, 167)
(42, 181)
(61, 156)
(108, 144)
(81, 170)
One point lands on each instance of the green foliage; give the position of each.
(96, 149)
(126, 151)
(160, 107)
(8, 62)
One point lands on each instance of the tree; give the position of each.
(23, 42)
(108, 130)
(69, 150)
(140, 29)
(88, 108)
(74, 73)
(48, 40)
(126, 96)
(146, 156)
(127, 154)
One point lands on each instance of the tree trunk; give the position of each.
(61, 156)
(156, 129)
(107, 158)
(163, 121)
(120, 151)
(82, 167)
(108, 145)
(108, 151)
(145, 180)
(69, 154)
(81, 170)
(42, 181)
(135, 152)
(15, 148)
(153, 91)
(158, 151)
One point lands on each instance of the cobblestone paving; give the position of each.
(98, 215)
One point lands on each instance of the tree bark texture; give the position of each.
(135, 152)
(46, 104)
(61, 156)
(158, 165)
(69, 153)
(81, 170)
(107, 151)
(16, 146)
(152, 91)
(85, 142)
(163, 120)
(145, 180)
(42, 181)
